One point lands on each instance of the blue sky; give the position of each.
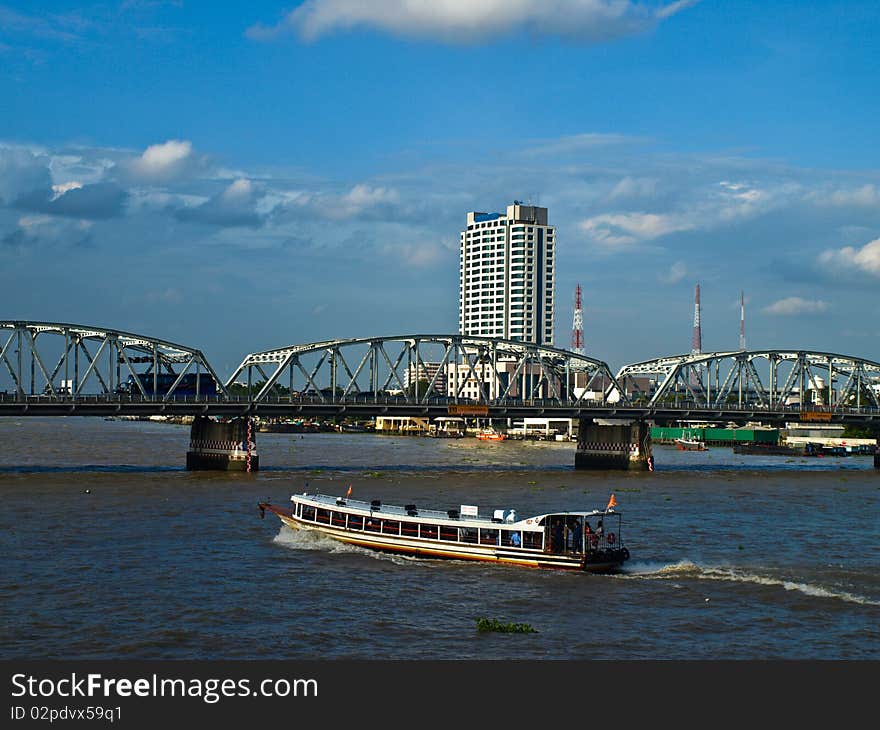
(243, 176)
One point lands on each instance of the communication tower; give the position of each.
(697, 337)
(577, 327)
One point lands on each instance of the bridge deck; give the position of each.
(115, 406)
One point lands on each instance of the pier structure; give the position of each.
(223, 445)
(608, 445)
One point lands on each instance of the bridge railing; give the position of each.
(549, 404)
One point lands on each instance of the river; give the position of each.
(111, 549)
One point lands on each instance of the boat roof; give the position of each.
(441, 515)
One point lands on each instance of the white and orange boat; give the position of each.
(491, 435)
(684, 444)
(568, 540)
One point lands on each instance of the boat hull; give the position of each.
(425, 548)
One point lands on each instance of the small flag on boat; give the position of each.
(611, 503)
(348, 493)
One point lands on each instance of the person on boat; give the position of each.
(514, 539)
(600, 530)
(558, 537)
(576, 536)
(592, 538)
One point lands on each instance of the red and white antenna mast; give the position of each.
(577, 327)
(742, 321)
(697, 337)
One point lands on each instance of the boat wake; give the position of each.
(311, 540)
(686, 569)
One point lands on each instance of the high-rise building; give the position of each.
(507, 275)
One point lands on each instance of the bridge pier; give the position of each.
(613, 446)
(222, 445)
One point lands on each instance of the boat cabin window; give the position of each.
(430, 531)
(409, 528)
(308, 512)
(390, 527)
(512, 538)
(324, 516)
(448, 533)
(338, 519)
(467, 534)
(488, 537)
(533, 540)
(356, 522)
(372, 525)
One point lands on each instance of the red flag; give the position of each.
(611, 503)
(348, 493)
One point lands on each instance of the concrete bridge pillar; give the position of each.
(613, 446)
(222, 445)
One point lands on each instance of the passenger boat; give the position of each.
(491, 435)
(690, 445)
(567, 540)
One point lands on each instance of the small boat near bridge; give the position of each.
(683, 444)
(576, 540)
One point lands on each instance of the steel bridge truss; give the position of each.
(764, 379)
(418, 369)
(91, 361)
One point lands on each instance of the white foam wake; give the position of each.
(687, 569)
(312, 540)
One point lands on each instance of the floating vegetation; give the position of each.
(374, 474)
(629, 489)
(533, 482)
(493, 624)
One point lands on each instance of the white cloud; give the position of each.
(866, 258)
(622, 229)
(59, 190)
(458, 21)
(360, 201)
(235, 205)
(574, 143)
(676, 273)
(416, 254)
(162, 161)
(861, 196)
(634, 187)
(793, 306)
(22, 171)
(363, 196)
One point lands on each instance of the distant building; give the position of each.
(426, 373)
(507, 271)
(529, 382)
